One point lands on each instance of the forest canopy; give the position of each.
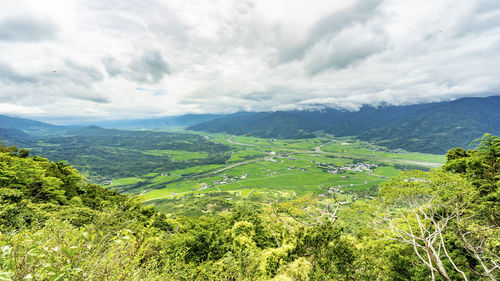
(438, 225)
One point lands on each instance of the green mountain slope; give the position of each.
(437, 129)
(161, 122)
(22, 123)
(10, 133)
(432, 128)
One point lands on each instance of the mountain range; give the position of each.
(430, 127)
(158, 123)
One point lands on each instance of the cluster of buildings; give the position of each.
(358, 167)
(285, 156)
(296, 168)
(229, 179)
(225, 180)
(271, 173)
(278, 156)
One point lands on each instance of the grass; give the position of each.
(177, 155)
(244, 155)
(387, 171)
(126, 181)
(305, 177)
(293, 169)
(377, 152)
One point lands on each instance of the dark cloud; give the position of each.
(73, 81)
(72, 72)
(328, 26)
(342, 51)
(138, 16)
(151, 67)
(484, 17)
(10, 76)
(27, 29)
(84, 75)
(88, 96)
(113, 66)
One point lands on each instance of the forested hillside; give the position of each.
(429, 128)
(103, 154)
(161, 122)
(22, 123)
(437, 225)
(438, 129)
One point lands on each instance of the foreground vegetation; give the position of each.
(438, 225)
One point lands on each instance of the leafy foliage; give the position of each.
(440, 224)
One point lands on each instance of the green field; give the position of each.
(177, 155)
(281, 167)
(171, 165)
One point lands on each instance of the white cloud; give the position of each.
(66, 60)
(9, 108)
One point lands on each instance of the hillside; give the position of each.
(158, 123)
(22, 123)
(439, 128)
(12, 134)
(285, 125)
(300, 124)
(418, 128)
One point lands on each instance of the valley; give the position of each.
(295, 166)
(171, 166)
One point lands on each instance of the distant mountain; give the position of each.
(157, 123)
(260, 124)
(93, 131)
(11, 135)
(301, 124)
(22, 124)
(441, 127)
(432, 127)
(18, 131)
(354, 123)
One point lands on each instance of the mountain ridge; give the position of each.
(430, 127)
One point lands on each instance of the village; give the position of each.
(357, 167)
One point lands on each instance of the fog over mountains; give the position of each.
(428, 127)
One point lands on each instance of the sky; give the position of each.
(68, 61)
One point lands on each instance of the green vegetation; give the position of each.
(107, 155)
(429, 128)
(438, 225)
(177, 155)
(161, 165)
(244, 155)
(298, 167)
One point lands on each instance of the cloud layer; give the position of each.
(65, 61)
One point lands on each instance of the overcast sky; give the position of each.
(62, 61)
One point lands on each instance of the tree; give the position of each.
(451, 216)
(479, 232)
(426, 204)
